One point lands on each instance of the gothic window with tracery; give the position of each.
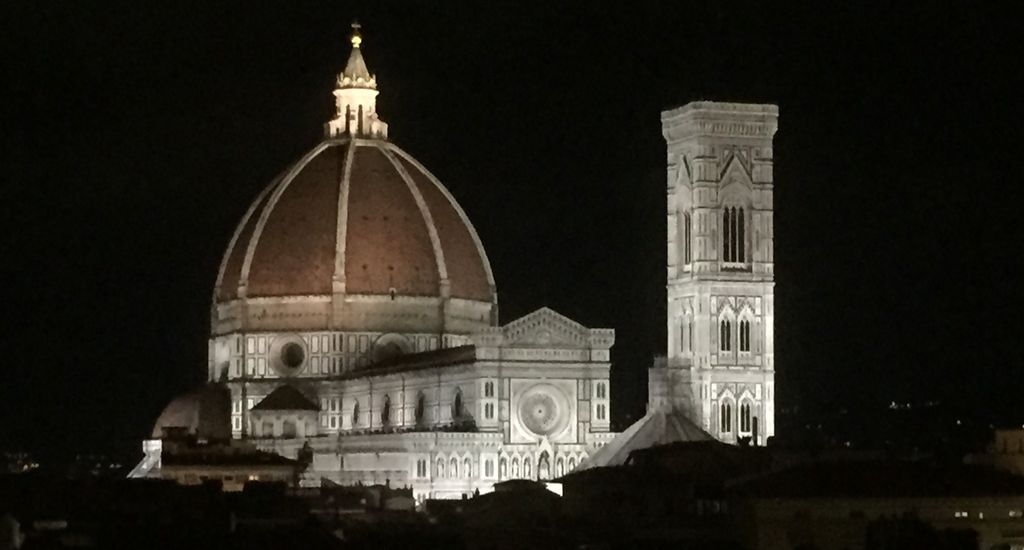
(515, 467)
(467, 468)
(725, 420)
(527, 468)
(745, 426)
(685, 236)
(725, 335)
(734, 235)
(355, 415)
(744, 335)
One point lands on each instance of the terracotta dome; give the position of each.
(204, 413)
(356, 218)
(356, 235)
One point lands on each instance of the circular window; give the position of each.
(539, 413)
(292, 355)
(543, 410)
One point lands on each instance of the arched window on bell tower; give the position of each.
(745, 418)
(727, 235)
(725, 335)
(725, 421)
(685, 237)
(734, 235)
(685, 334)
(744, 336)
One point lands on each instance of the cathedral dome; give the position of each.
(357, 216)
(355, 235)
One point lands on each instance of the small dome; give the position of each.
(356, 219)
(204, 413)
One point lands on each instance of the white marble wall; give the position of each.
(719, 156)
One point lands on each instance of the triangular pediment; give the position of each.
(286, 398)
(545, 328)
(735, 171)
(683, 175)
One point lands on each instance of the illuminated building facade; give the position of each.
(719, 368)
(355, 322)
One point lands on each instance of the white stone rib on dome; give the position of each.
(458, 208)
(390, 228)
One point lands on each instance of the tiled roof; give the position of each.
(657, 427)
(444, 357)
(286, 398)
(401, 230)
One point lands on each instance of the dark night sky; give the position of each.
(137, 133)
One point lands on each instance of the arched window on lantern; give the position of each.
(467, 468)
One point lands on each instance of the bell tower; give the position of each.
(719, 367)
